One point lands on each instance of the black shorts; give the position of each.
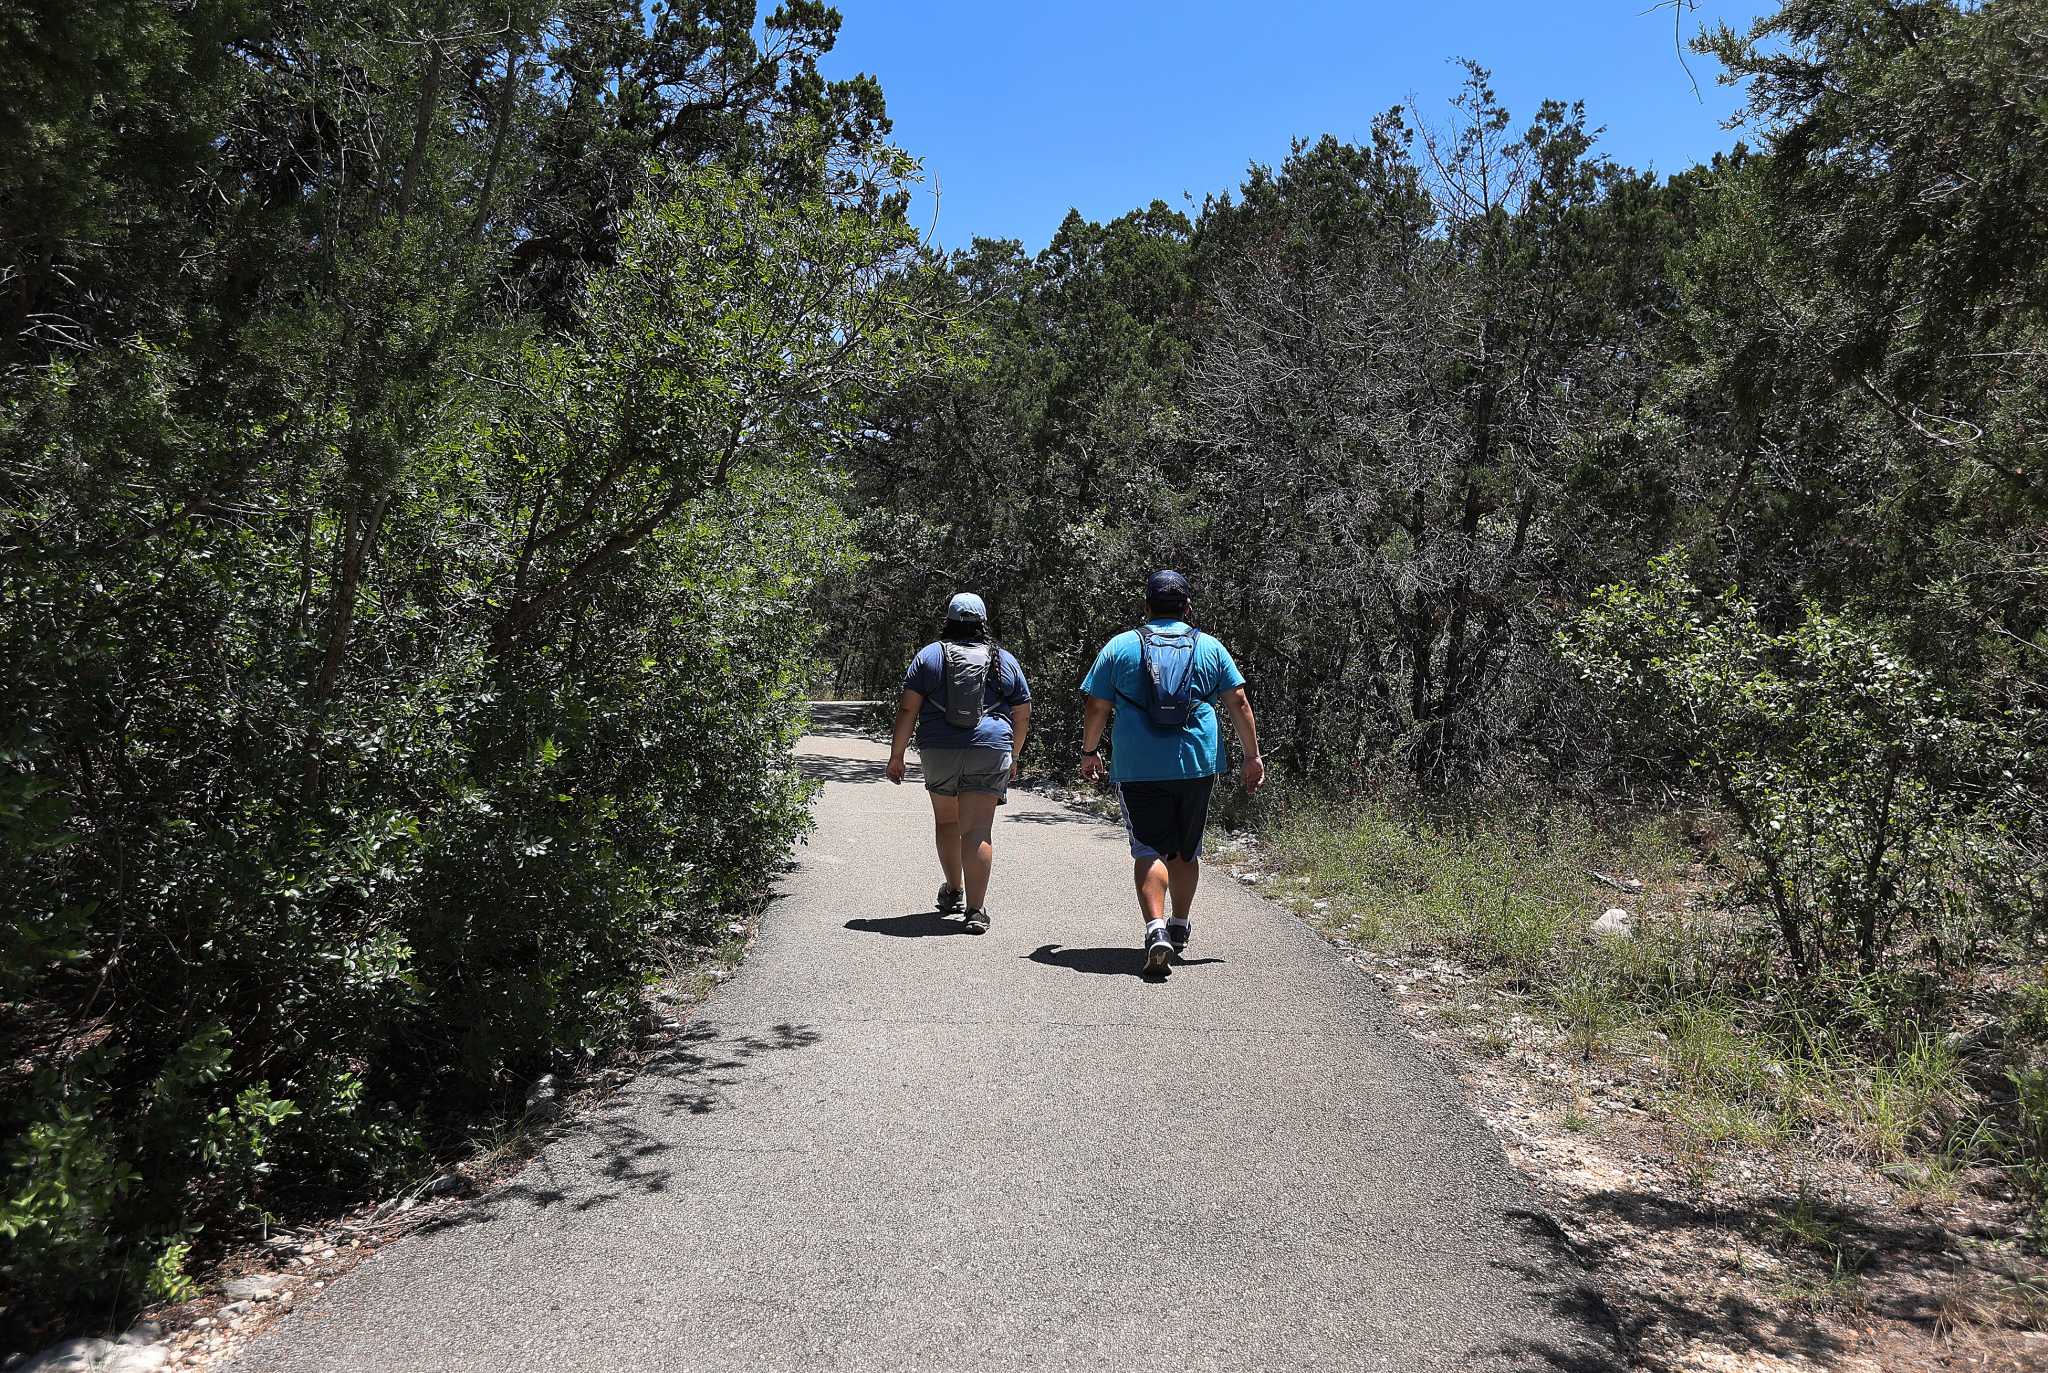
(1166, 819)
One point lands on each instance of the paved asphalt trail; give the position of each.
(891, 1145)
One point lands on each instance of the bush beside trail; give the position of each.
(411, 437)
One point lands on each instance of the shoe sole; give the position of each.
(1156, 956)
(977, 927)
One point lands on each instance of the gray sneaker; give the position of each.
(1180, 933)
(977, 921)
(949, 899)
(1158, 950)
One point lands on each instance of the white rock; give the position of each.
(72, 1356)
(1615, 921)
(100, 1356)
(137, 1358)
(735, 928)
(541, 1098)
(255, 1287)
(235, 1310)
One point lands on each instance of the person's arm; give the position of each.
(906, 716)
(1240, 706)
(1020, 726)
(1093, 723)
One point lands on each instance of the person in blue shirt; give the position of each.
(967, 768)
(1163, 775)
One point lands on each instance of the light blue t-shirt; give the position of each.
(927, 677)
(1140, 751)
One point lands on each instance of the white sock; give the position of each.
(1153, 927)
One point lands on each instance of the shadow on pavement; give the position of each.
(1555, 1272)
(916, 925)
(1125, 959)
(851, 719)
(1056, 817)
(825, 768)
(610, 1152)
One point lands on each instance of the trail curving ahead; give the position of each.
(887, 1144)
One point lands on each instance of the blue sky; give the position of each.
(1025, 109)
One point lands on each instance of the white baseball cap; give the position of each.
(967, 606)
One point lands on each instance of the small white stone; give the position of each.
(136, 1358)
(1615, 921)
(72, 1356)
(254, 1287)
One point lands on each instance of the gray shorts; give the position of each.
(950, 771)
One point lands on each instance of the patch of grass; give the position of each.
(1709, 1049)
(1809, 1223)
(1756, 1060)
(1712, 1122)
(1586, 1012)
(1835, 1289)
(1511, 894)
(2026, 1144)
(1935, 1184)
(1896, 1110)
(1456, 1014)
(1812, 1226)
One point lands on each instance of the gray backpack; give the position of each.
(970, 671)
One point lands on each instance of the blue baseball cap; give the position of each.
(1164, 586)
(967, 606)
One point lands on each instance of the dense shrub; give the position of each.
(1870, 813)
(410, 505)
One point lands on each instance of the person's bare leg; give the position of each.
(1149, 875)
(1183, 875)
(946, 832)
(977, 843)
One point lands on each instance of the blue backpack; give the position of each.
(1166, 659)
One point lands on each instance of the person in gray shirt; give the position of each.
(971, 706)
